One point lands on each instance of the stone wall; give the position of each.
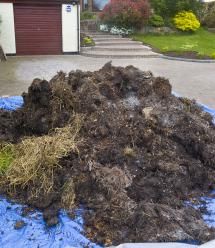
(88, 26)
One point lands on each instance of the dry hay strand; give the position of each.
(62, 100)
(129, 152)
(63, 97)
(68, 195)
(37, 159)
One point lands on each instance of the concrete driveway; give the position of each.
(166, 245)
(193, 80)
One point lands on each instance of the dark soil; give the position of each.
(187, 55)
(144, 153)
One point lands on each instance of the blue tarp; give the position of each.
(209, 110)
(11, 103)
(67, 234)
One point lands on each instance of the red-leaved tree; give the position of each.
(126, 13)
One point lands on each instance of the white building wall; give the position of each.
(7, 30)
(70, 25)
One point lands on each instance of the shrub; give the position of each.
(169, 8)
(87, 41)
(121, 31)
(104, 28)
(126, 13)
(156, 21)
(213, 55)
(209, 20)
(186, 21)
(86, 15)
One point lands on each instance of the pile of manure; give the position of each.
(118, 143)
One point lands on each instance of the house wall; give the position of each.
(7, 32)
(70, 28)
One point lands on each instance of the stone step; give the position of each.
(119, 54)
(96, 33)
(117, 42)
(125, 48)
(109, 38)
(96, 36)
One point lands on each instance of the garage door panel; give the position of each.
(38, 29)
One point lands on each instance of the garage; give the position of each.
(40, 27)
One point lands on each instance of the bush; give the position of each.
(156, 21)
(121, 31)
(209, 20)
(86, 15)
(213, 55)
(186, 21)
(169, 8)
(87, 41)
(126, 13)
(104, 28)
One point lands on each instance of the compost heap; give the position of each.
(117, 143)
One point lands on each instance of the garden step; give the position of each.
(103, 36)
(118, 47)
(95, 33)
(117, 42)
(120, 54)
(111, 39)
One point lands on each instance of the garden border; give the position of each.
(187, 60)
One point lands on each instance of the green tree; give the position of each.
(169, 8)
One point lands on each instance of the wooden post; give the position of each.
(2, 54)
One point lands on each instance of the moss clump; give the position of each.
(7, 155)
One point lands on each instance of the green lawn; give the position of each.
(202, 42)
